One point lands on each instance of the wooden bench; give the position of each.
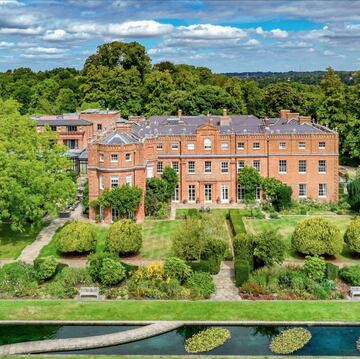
(89, 292)
(354, 291)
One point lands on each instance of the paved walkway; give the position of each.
(30, 253)
(224, 282)
(98, 341)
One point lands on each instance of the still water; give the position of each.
(245, 340)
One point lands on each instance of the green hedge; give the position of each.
(236, 221)
(332, 271)
(242, 271)
(211, 265)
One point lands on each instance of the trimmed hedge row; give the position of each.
(236, 221)
(211, 265)
(242, 271)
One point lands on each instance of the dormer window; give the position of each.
(207, 144)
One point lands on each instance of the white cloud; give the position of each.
(328, 53)
(46, 50)
(10, 3)
(276, 33)
(139, 29)
(209, 32)
(21, 31)
(4, 44)
(252, 42)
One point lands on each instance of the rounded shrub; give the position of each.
(124, 237)
(352, 235)
(351, 274)
(45, 268)
(76, 237)
(290, 340)
(317, 236)
(315, 268)
(112, 272)
(207, 340)
(177, 268)
(95, 262)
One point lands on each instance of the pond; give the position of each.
(245, 340)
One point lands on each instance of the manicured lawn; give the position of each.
(180, 310)
(286, 224)
(181, 212)
(12, 243)
(157, 238)
(50, 249)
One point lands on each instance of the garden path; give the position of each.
(30, 253)
(224, 282)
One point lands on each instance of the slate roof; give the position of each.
(119, 139)
(61, 122)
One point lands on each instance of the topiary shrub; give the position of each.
(211, 265)
(244, 247)
(352, 235)
(45, 268)
(332, 271)
(201, 284)
(124, 237)
(112, 272)
(314, 268)
(351, 274)
(76, 237)
(177, 268)
(290, 340)
(242, 272)
(95, 262)
(207, 340)
(317, 236)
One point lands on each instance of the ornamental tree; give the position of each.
(249, 179)
(317, 236)
(352, 235)
(35, 176)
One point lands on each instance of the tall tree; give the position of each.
(35, 177)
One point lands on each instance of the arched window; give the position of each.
(207, 144)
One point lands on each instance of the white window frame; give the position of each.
(240, 146)
(114, 158)
(224, 192)
(176, 194)
(301, 188)
(114, 214)
(174, 146)
(191, 146)
(191, 193)
(302, 145)
(114, 181)
(322, 168)
(322, 190)
(160, 167)
(257, 165)
(208, 193)
(207, 144)
(256, 145)
(149, 171)
(127, 157)
(101, 157)
(224, 146)
(175, 166)
(322, 145)
(301, 166)
(240, 193)
(191, 167)
(129, 180)
(282, 164)
(258, 194)
(101, 182)
(159, 146)
(224, 167)
(282, 145)
(239, 168)
(207, 164)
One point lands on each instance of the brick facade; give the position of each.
(208, 152)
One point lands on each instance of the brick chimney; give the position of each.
(283, 114)
(304, 119)
(225, 120)
(266, 122)
(292, 116)
(179, 113)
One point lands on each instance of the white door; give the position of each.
(224, 193)
(208, 193)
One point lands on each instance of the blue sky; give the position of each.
(226, 36)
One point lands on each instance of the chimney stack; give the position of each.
(179, 113)
(283, 114)
(225, 120)
(224, 112)
(304, 119)
(266, 122)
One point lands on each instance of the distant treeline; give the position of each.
(120, 76)
(304, 77)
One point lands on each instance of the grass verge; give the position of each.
(180, 310)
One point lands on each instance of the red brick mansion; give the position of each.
(206, 151)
